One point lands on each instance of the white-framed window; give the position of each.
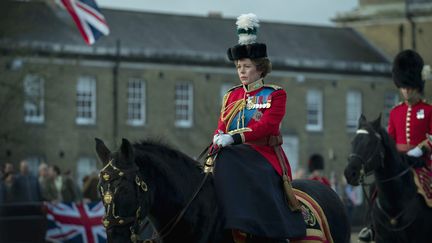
(136, 102)
(291, 148)
(85, 166)
(183, 104)
(390, 100)
(353, 109)
(86, 100)
(33, 99)
(314, 109)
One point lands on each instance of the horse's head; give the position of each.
(367, 151)
(123, 191)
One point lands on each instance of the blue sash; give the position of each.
(261, 97)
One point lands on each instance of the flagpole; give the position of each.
(115, 93)
(409, 16)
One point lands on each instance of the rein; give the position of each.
(175, 220)
(112, 220)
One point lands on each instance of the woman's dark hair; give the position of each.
(263, 64)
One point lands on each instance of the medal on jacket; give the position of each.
(420, 114)
(257, 102)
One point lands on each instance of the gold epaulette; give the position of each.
(234, 87)
(275, 87)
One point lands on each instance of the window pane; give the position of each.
(314, 110)
(86, 100)
(33, 99)
(183, 104)
(136, 102)
(353, 109)
(85, 166)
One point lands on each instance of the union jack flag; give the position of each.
(90, 22)
(75, 222)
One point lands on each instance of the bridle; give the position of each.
(364, 162)
(111, 173)
(111, 220)
(393, 220)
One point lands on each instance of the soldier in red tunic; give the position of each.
(410, 122)
(250, 165)
(316, 165)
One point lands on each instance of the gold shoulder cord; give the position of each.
(237, 107)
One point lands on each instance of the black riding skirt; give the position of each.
(251, 194)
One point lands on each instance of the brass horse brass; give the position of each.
(107, 197)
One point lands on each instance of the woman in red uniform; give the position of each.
(251, 162)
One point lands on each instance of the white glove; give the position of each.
(215, 138)
(415, 152)
(224, 140)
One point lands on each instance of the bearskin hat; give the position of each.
(316, 162)
(407, 70)
(247, 28)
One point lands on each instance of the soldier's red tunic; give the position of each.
(409, 125)
(265, 104)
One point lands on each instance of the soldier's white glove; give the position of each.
(415, 152)
(224, 140)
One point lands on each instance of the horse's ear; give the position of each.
(362, 121)
(102, 151)
(126, 150)
(377, 123)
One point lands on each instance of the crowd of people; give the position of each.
(50, 185)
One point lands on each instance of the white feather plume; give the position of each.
(247, 22)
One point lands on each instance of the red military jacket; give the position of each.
(260, 109)
(409, 125)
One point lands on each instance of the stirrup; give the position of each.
(366, 235)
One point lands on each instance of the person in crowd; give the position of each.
(2, 185)
(316, 166)
(251, 165)
(26, 186)
(65, 186)
(46, 182)
(90, 183)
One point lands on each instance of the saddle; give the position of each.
(423, 181)
(317, 228)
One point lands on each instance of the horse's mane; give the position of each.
(167, 164)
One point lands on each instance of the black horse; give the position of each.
(399, 213)
(150, 180)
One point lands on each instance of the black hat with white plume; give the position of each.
(247, 28)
